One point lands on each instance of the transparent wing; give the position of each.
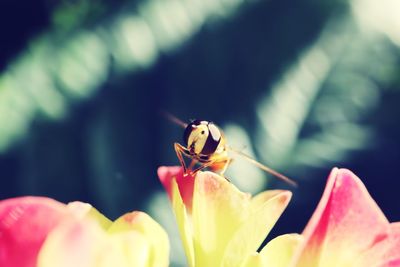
(264, 168)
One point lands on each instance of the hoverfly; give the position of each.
(205, 145)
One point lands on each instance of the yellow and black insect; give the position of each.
(205, 145)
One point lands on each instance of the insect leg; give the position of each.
(215, 164)
(179, 149)
(203, 166)
(227, 162)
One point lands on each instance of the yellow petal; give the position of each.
(280, 250)
(84, 210)
(247, 239)
(277, 253)
(259, 200)
(133, 240)
(84, 243)
(219, 208)
(254, 260)
(185, 229)
(155, 235)
(129, 249)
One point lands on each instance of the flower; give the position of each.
(38, 231)
(24, 225)
(348, 229)
(220, 225)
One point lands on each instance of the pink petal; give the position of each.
(385, 252)
(185, 183)
(346, 223)
(25, 223)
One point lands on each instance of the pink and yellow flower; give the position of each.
(348, 229)
(42, 232)
(221, 226)
(24, 225)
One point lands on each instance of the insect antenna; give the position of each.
(173, 119)
(264, 168)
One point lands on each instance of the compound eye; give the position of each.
(189, 129)
(213, 140)
(187, 132)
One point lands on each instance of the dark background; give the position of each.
(100, 138)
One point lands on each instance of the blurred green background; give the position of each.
(303, 86)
